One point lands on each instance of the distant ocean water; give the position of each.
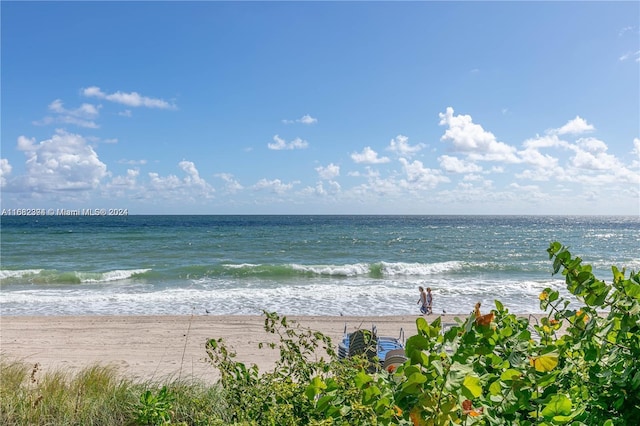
(294, 265)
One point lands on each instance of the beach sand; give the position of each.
(164, 347)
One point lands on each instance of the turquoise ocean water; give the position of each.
(295, 265)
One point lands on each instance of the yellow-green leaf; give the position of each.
(544, 363)
(471, 385)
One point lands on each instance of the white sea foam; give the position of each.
(320, 297)
(5, 273)
(117, 275)
(350, 270)
(420, 268)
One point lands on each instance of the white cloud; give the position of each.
(631, 55)
(281, 144)
(536, 158)
(420, 176)
(625, 30)
(591, 154)
(5, 169)
(320, 190)
(329, 172)
(546, 141)
(368, 156)
(85, 110)
(64, 162)
(125, 182)
(191, 186)
(276, 186)
(471, 139)
(231, 184)
(132, 99)
(400, 145)
(133, 162)
(456, 165)
(83, 116)
(575, 127)
(305, 119)
(193, 177)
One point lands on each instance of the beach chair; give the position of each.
(363, 342)
(394, 358)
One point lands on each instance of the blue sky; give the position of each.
(322, 107)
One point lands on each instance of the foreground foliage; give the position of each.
(576, 366)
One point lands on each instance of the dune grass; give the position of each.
(98, 396)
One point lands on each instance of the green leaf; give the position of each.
(315, 387)
(631, 289)
(558, 405)
(362, 379)
(370, 393)
(413, 384)
(422, 325)
(471, 387)
(417, 343)
(544, 363)
(510, 374)
(495, 388)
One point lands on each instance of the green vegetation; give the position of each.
(574, 367)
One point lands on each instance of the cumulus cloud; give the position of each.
(368, 156)
(83, 116)
(575, 127)
(128, 181)
(400, 145)
(275, 186)
(534, 157)
(472, 140)
(132, 99)
(64, 162)
(231, 184)
(591, 154)
(421, 177)
(190, 186)
(5, 170)
(305, 119)
(329, 172)
(132, 162)
(456, 165)
(280, 144)
(332, 188)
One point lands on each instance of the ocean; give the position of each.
(294, 265)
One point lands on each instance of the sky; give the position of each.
(203, 107)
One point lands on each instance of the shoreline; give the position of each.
(161, 347)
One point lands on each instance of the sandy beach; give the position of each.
(161, 347)
(157, 347)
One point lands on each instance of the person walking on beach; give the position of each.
(423, 300)
(429, 301)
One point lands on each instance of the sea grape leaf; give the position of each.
(544, 363)
(471, 387)
(510, 374)
(632, 289)
(558, 405)
(362, 378)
